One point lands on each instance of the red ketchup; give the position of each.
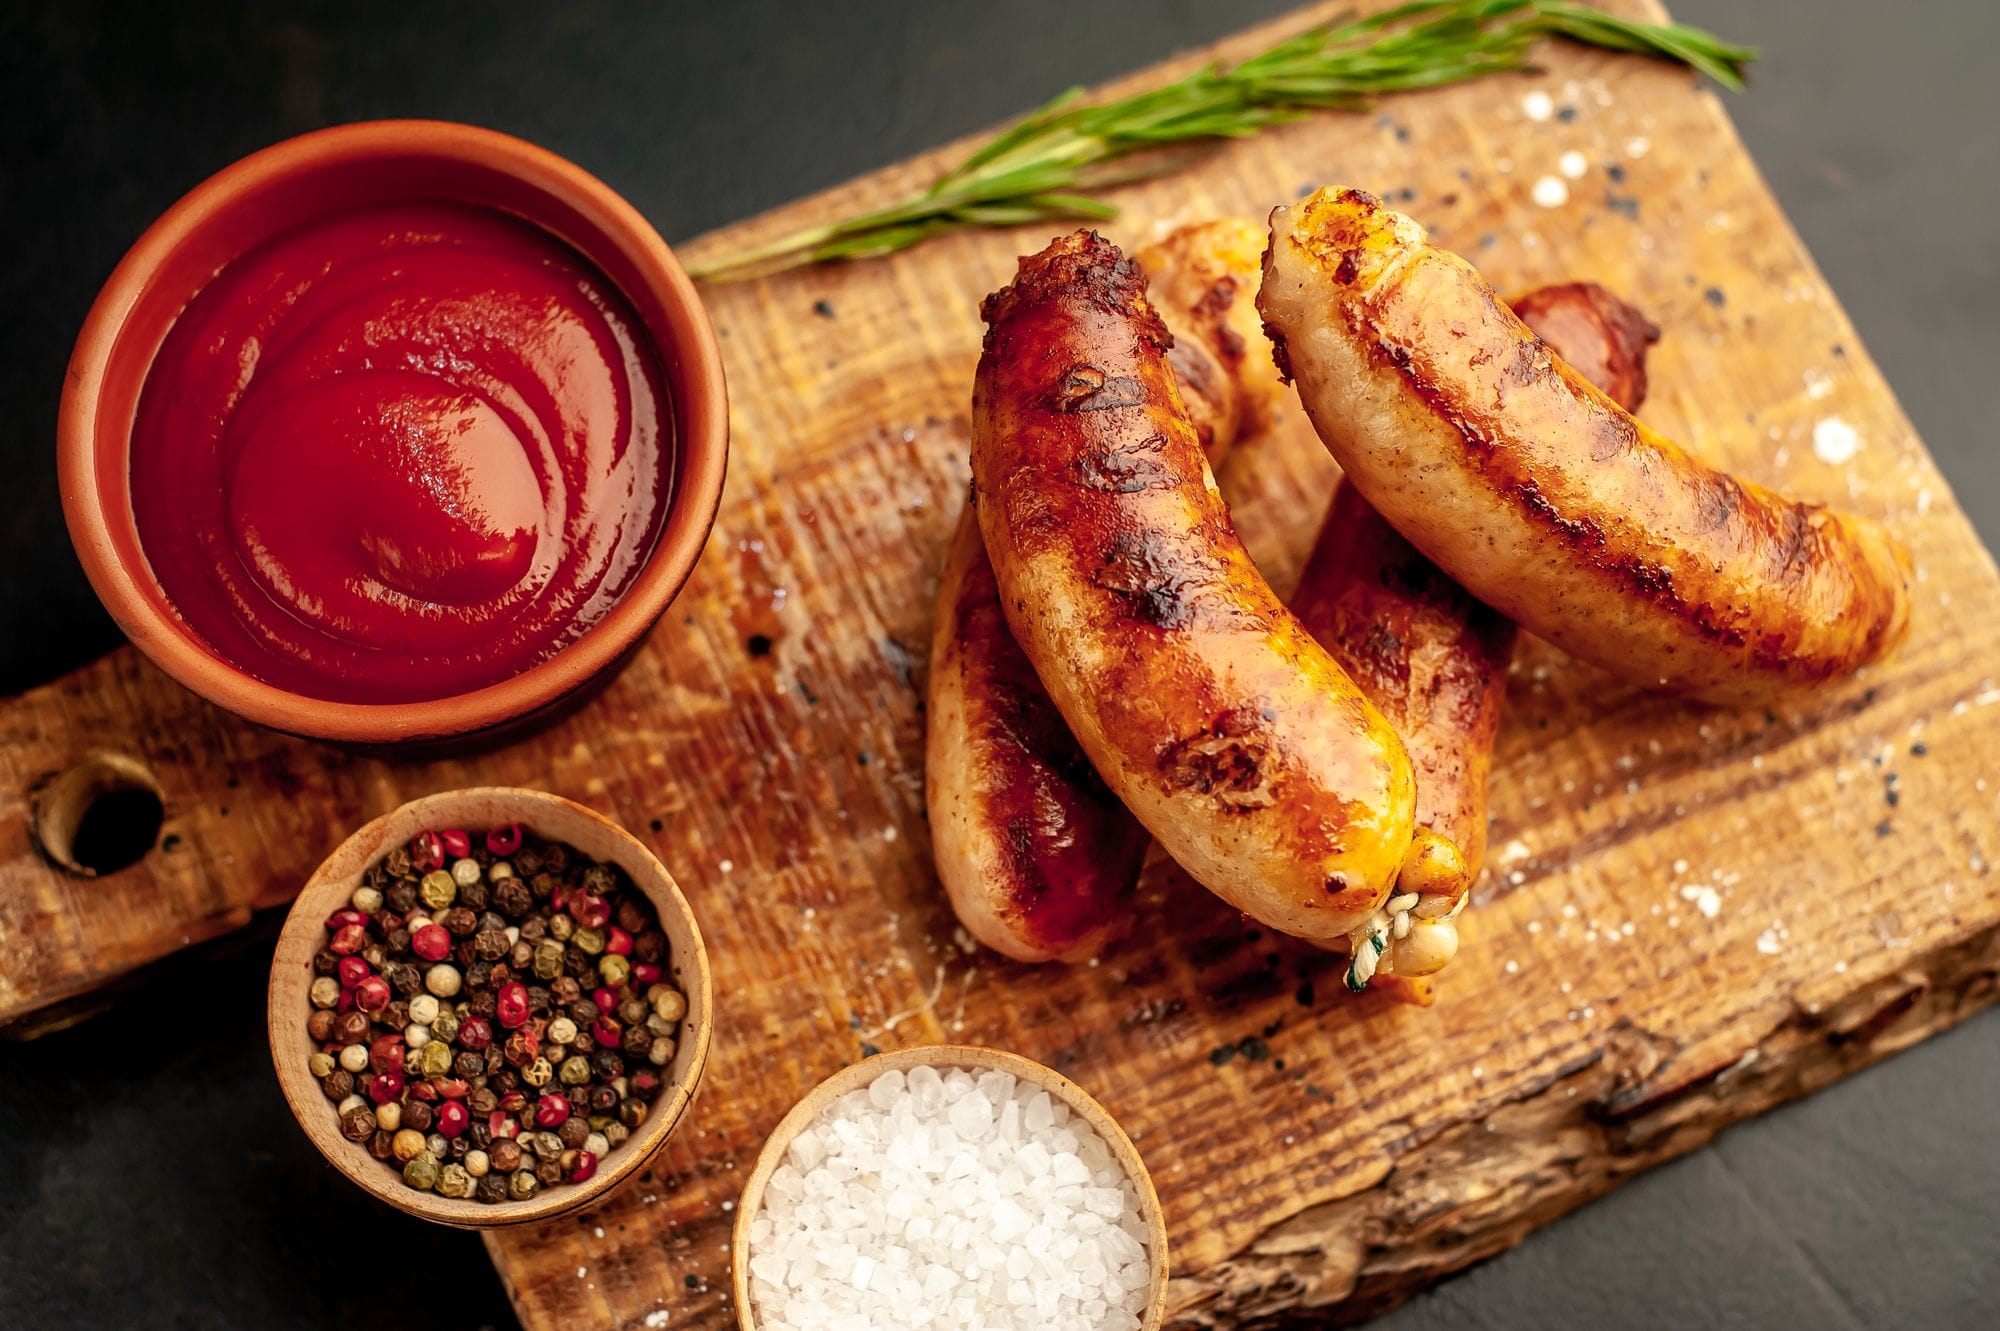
(401, 453)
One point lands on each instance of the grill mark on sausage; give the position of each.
(1126, 470)
(1150, 577)
(1229, 760)
(1087, 388)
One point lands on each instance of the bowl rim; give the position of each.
(703, 440)
(324, 892)
(974, 1057)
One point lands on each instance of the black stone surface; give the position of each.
(149, 1173)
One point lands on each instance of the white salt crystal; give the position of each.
(959, 1199)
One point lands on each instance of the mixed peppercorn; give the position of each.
(490, 1014)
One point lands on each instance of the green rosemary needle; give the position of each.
(1048, 167)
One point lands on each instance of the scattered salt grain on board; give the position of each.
(1538, 105)
(1573, 164)
(1834, 441)
(949, 1200)
(1550, 192)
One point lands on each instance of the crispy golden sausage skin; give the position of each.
(1426, 653)
(1542, 496)
(1206, 707)
(1038, 858)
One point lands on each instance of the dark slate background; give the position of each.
(149, 1175)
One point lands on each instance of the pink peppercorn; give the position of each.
(606, 1032)
(589, 910)
(514, 1101)
(510, 1005)
(345, 915)
(455, 842)
(353, 970)
(501, 1124)
(584, 1167)
(475, 1033)
(451, 1088)
(551, 1110)
(372, 994)
(604, 998)
(559, 896)
(432, 942)
(426, 852)
(504, 839)
(385, 1086)
(386, 1054)
(645, 973)
(348, 939)
(453, 1118)
(618, 942)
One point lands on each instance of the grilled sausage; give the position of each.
(1207, 708)
(1541, 495)
(1601, 337)
(1038, 858)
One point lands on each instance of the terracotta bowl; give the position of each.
(329, 889)
(974, 1058)
(303, 179)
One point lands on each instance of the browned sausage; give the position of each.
(1200, 699)
(1038, 859)
(1601, 337)
(1541, 495)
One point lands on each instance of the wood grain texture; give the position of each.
(1690, 914)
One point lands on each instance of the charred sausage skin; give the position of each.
(1540, 494)
(1201, 700)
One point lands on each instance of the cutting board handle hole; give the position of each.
(99, 816)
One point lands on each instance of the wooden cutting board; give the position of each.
(1690, 915)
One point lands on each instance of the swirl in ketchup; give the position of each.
(401, 453)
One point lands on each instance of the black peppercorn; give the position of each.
(513, 898)
(490, 945)
(550, 1172)
(631, 915)
(458, 1148)
(528, 861)
(607, 1065)
(505, 1153)
(473, 896)
(603, 1100)
(632, 1010)
(484, 1003)
(631, 1112)
(480, 1100)
(320, 1025)
(481, 1134)
(325, 963)
(418, 1116)
(637, 1040)
(492, 1188)
(400, 896)
(396, 1015)
(573, 1131)
(521, 957)
(351, 1027)
(358, 1123)
(407, 980)
(649, 947)
(538, 1000)
(459, 922)
(565, 990)
(555, 857)
(337, 1085)
(583, 1012)
(397, 861)
(599, 881)
(533, 931)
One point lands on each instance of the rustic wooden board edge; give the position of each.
(1479, 1188)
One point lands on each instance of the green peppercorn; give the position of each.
(561, 927)
(445, 1027)
(454, 1181)
(321, 1063)
(561, 1030)
(523, 1185)
(435, 1060)
(575, 1070)
(366, 900)
(436, 1145)
(421, 1173)
(548, 959)
(614, 969)
(325, 992)
(477, 1162)
(463, 872)
(538, 1073)
(590, 941)
(614, 1133)
(547, 1145)
(439, 889)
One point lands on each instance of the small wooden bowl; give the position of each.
(973, 1058)
(329, 889)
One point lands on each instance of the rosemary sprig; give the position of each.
(1047, 167)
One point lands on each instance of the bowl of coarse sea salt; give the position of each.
(949, 1187)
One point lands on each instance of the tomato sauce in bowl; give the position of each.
(401, 452)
